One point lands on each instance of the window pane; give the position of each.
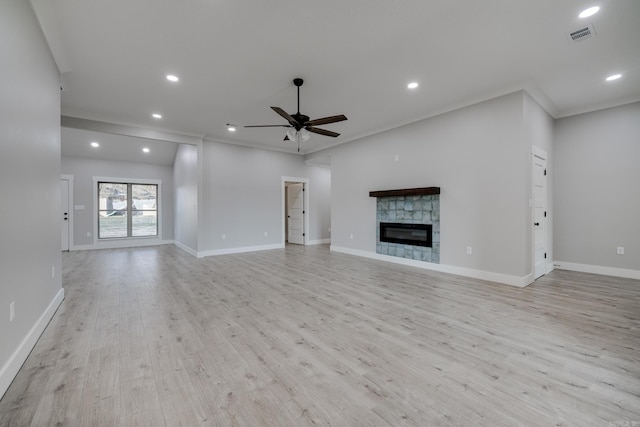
(144, 197)
(112, 198)
(144, 223)
(112, 224)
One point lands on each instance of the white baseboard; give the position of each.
(506, 279)
(117, 244)
(598, 269)
(239, 250)
(186, 248)
(19, 356)
(319, 242)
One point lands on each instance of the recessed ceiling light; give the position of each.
(231, 128)
(172, 78)
(613, 77)
(95, 144)
(145, 150)
(156, 116)
(589, 12)
(412, 85)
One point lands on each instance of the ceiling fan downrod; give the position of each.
(298, 82)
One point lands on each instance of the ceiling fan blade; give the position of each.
(322, 131)
(326, 120)
(268, 126)
(286, 115)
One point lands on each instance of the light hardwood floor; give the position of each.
(302, 336)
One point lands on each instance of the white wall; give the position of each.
(597, 183)
(185, 182)
(242, 196)
(83, 171)
(30, 217)
(478, 155)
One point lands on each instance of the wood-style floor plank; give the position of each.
(305, 337)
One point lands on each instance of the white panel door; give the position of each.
(295, 215)
(64, 213)
(539, 216)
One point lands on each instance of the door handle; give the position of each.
(537, 224)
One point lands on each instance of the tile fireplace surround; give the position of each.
(411, 206)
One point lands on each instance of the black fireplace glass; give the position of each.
(407, 234)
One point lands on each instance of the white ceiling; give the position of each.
(77, 143)
(236, 58)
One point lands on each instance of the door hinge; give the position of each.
(545, 214)
(545, 171)
(305, 235)
(303, 212)
(545, 255)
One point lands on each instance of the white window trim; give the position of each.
(97, 179)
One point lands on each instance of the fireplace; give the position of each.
(407, 234)
(408, 223)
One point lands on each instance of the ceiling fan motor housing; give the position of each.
(301, 120)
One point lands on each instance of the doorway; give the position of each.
(295, 210)
(66, 202)
(540, 216)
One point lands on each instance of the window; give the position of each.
(127, 210)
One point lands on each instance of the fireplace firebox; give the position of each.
(407, 234)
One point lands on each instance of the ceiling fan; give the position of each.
(301, 123)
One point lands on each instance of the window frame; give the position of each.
(129, 182)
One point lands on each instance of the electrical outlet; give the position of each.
(12, 311)
(469, 250)
(396, 158)
(53, 271)
(88, 234)
(351, 236)
(224, 236)
(620, 250)
(266, 234)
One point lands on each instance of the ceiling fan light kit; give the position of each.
(301, 122)
(300, 135)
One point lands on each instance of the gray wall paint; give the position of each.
(83, 171)
(478, 155)
(185, 182)
(242, 195)
(29, 174)
(539, 127)
(597, 193)
(320, 187)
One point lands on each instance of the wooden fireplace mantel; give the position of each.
(425, 191)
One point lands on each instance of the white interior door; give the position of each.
(64, 214)
(539, 215)
(295, 214)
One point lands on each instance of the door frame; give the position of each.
(541, 154)
(306, 208)
(69, 178)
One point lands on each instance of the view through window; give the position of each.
(127, 210)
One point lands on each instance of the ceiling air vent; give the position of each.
(582, 33)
